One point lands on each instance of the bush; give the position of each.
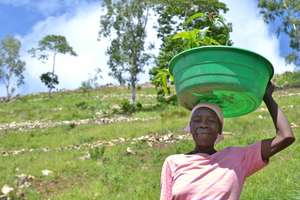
(129, 108)
(139, 106)
(82, 105)
(287, 79)
(85, 85)
(97, 153)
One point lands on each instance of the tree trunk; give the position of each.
(53, 68)
(49, 92)
(133, 74)
(133, 92)
(7, 93)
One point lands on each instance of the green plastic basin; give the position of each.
(233, 78)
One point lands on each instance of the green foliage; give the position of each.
(53, 44)
(11, 66)
(97, 153)
(184, 25)
(128, 108)
(49, 79)
(287, 79)
(199, 37)
(82, 105)
(127, 19)
(139, 106)
(92, 82)
(286, 15)
(86, 85)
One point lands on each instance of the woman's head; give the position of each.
(206, 124)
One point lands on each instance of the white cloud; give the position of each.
(81, 30)
(250, 32)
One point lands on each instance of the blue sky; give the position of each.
(78, 20)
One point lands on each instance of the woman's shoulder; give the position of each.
(174, 157)
(240, 149)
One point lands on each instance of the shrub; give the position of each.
(127, 107)
(97, 153)
(139, 106)
(82, 105)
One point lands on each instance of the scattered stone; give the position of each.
(150, 140)
(150, 144)
(130, 151)
(87, 156)
(24, 180)
(6, 189)
(24, 126)
(46, 172)
(293, 125)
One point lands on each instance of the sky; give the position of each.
(78, 20)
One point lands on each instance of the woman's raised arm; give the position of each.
(284, 134)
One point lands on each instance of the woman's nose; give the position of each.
(203, 124)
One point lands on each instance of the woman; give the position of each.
(207, 174)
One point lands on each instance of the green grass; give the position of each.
(287, 79)
(117, 174)
(65, 135)
(67, 105)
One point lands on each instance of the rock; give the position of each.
(130, 151)
(6, 189)
(46, 172)
(150, 144)
(85, 157)
(293, 125)
(24, 180)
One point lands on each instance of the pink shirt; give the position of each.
(210, 177)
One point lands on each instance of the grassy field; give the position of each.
(114, 171)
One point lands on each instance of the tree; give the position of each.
(11, 66)
(92, 81)
(126, 20)
(51, 44)
(286, 15)
(185, 24)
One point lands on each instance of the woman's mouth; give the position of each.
(201, 131)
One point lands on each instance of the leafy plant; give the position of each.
(200, 29)
(49, 79)
(82, 105)
(97, 153)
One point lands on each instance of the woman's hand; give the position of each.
(269, 91)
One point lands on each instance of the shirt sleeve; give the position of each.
(252, 160)
(166, 182)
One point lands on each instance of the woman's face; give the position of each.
(205, 126)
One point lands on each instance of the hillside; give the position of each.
(93, 150)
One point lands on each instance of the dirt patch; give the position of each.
(48, 188)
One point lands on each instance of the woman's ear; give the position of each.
(219, 138)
